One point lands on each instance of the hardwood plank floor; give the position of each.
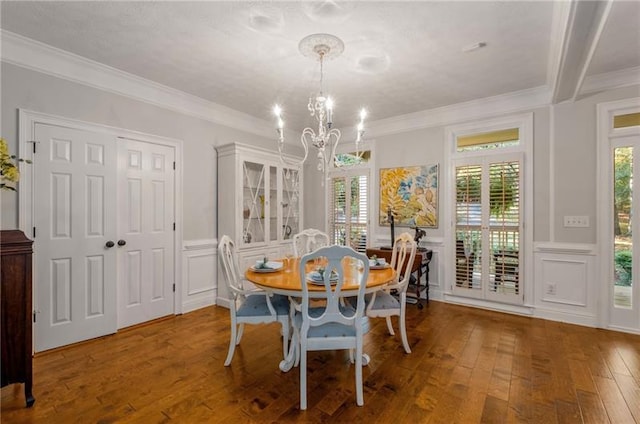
(467, 366)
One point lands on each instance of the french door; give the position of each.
(624, 308)
(74, 220)
(146, 219)
(349, 209)
(487, 227)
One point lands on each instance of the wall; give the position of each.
(23, 88)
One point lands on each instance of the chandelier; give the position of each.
(326, 139)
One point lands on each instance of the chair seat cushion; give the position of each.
(332, 329)
(256, 305)
(383, 301)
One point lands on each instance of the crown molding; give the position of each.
(517, 101)
(611, 80)
(27, 53)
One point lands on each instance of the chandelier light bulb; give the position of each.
(363, 114)
(277, 111)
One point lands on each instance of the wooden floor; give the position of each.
(467, 366)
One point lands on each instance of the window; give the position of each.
(488, 140)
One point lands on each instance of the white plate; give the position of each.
(271, 267)
(315, 278)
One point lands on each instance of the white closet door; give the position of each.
(74, 219)
(146, 231)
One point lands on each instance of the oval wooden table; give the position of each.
(287, 281)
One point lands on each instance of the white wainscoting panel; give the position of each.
(199, 270)
(565, 283)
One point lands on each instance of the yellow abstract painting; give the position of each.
(412, 195)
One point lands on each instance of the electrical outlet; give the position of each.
(576, 221)
(551, 288)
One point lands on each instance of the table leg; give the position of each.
(287, 363)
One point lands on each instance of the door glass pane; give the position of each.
(290, 218)
(468, 226)
(623, 244)
(358, 212)
(253, 202)
(337, 208)
(504, 223)
(271, 204)
(348, 206)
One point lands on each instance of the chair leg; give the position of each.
(403, 329)
(232, 344)
(390, 326)
(359, 394)
(303, 377)
(240, 332)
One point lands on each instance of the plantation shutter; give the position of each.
(468, 225)
(504, 204)
(348, 206)
(488, 227)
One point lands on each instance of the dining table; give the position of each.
(286, 280)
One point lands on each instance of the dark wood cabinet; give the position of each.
(420, 267)
(16, 310)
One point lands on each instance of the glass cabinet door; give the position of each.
(289, 205)
(271, 204)
(253, 199)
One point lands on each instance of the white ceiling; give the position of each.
(399, 58)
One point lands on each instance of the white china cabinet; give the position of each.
(259, 204)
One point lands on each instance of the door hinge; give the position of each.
(34, 316)
(34, 232)
(34, 148)
(174, 226)
(174, 166)
(174, 287)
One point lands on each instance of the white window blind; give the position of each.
(487, 230)
(348, 207)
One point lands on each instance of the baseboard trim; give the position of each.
(199, 303)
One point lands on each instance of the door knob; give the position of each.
(109, 244)
(121, 242)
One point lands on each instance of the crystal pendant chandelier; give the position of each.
(326, 139)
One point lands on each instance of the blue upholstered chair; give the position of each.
(334, 325)
(384, 304)
(249, 306)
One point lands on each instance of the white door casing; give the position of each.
(75, 184)
(146, 225)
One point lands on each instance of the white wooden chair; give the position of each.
(335, 325)
(253, 306)
(382, 303)
(306, 241)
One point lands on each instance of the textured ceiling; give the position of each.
(400, 57)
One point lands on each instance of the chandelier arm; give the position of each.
(285, 160)
(337, 134)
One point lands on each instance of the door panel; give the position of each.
(624, 307)
(75, 281)
(146, 227)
